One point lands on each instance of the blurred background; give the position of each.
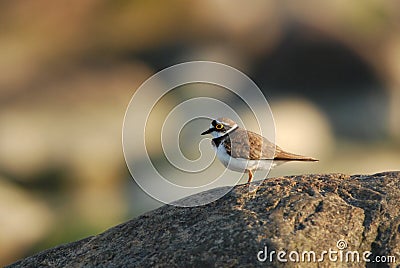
(330, 71)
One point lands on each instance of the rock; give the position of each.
(295, 215)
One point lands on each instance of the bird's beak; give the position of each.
(208, 131)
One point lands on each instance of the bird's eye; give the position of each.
(219, 126)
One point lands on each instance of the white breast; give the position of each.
(240, 164)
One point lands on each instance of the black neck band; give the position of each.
(217, 141)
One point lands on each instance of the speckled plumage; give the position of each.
(246, 144)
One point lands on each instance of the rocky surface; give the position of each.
(291, 214)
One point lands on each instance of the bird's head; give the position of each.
(221, 127)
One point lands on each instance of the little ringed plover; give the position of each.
(242, 150)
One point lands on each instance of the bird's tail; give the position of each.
(286, 156)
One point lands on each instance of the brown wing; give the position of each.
(250, 145)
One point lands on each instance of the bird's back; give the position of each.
(249, 145)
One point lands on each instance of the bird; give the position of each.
(242, 150)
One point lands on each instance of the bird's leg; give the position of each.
(250, 176)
